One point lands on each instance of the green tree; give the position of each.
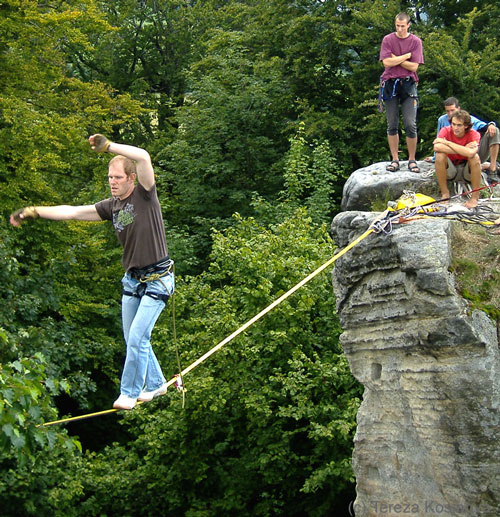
(458, 68)
(230, 137)
(311, 173)
(50, 302)
(47, 114)
(26, 398)
(269, 420)
(32, 458)
(143, 55)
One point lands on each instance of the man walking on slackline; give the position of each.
(148, 282)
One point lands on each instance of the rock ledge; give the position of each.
(428, 426)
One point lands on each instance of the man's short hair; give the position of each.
(403, 16)
(464, 117)
(451, 101)
(129, 166)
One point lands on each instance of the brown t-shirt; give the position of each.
(138, 225)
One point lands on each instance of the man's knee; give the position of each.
(392, 116)
(474, 160)
(392, 124)
(410, 124)
(474, 166)
(411, 131)
(491, 140)
(441, 159)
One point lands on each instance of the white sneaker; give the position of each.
(124, 402)
(147, 396)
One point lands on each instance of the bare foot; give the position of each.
(472, 203)
(445, 198)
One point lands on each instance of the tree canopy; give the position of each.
(254, 113)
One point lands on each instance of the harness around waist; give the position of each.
(153, 271)
(402, 87)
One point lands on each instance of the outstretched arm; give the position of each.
(145, 172)
(55, 213)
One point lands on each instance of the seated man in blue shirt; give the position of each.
(490, 138)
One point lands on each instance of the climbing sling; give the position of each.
(399, 87)
(148, 274)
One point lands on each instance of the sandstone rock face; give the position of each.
(374, 182)
(427, 441)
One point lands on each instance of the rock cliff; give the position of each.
(427, 441)
(373, 182)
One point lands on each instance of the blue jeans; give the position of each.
(139, 315)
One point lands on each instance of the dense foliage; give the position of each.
(254, 113)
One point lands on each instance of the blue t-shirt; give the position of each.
(477, 124)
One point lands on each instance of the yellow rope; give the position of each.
(237, 332)
(81, 417)
(270, 307)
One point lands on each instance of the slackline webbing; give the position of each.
(237, 332)
(374, 227)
